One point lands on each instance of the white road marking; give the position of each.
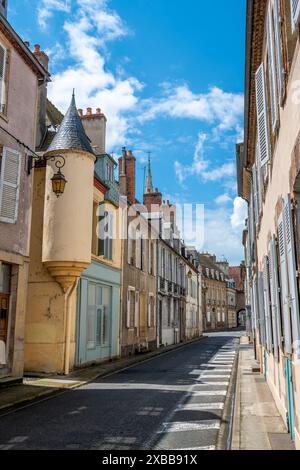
(207, 375)
(205, 384)
(208, 393)
(197, 448)
(189, 426)
(200, 406)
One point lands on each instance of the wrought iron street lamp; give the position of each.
(58, 180)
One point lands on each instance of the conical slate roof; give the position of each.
(71, 134)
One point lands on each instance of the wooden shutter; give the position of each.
(3, 55)
(273, 299)
(284, 286)
(10, 185)
(137, 309)
(276, 306)
(271, 61)
(258, 178)
(278, 53)
(292, 273)
(262, 116)
(269, 335)
(295, 10)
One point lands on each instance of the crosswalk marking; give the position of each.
(205, 384)
(208, 375)
(189, 426)
(200, 406)
(208, 393)
(191, 449)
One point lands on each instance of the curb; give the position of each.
(119, 367)
(226, 429)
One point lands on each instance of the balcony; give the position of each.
(170, 287)
(162, 284)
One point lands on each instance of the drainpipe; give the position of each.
(68, 314)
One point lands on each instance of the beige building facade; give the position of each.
(22, 75)
(269, 175)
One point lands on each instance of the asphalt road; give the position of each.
(174, 401)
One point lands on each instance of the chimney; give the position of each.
(27, 43)
(127, 175)
(42, 57)
(3, 7)
(95, 128)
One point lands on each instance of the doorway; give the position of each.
(5, 276)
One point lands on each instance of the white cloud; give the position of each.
(87, 32)
(239, 214)
(202, 167)
(223, 199)
(216, 107)
(47, 7)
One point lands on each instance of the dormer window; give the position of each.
(109, 172)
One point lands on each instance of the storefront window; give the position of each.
(99, 305)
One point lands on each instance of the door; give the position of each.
(5, 275)
(290, 398)
(143, 316)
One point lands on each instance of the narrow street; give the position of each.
(174, 401)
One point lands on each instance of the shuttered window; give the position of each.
(269, 333)
(137, 309)
(271, 61)
(3, 55)
(262, 116)
(273, 300)
(130, 317)
(255, 194)
(278, 53)
(10, 185)
(258, 177)
(292, 273)
(261, 309)
(284, 286)
(295, 10)
(276, 307)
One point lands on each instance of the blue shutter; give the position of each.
(272, 75)
(284, 287)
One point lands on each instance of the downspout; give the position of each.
(68, 314)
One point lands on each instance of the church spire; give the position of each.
(149, 182)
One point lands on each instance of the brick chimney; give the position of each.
(95, 127)
(153, 199)
(127, 175)
(42, 57)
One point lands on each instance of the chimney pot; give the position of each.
(89, 111)
(98, 111)
(80, 111)
(37, 48)
(156, 190)
(27, 44)
(124, 153)
(130, 153)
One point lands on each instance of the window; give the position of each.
(105, 234)
(262, 116)
(99, 305)
(295, 10)
(151, 311)
(109, 172)
(10, 173)
(131, 307)
(3, 59)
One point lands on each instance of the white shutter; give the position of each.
(276, 298)
(138, 252)
(272, 76)
(10, 185)
(262, 116)
(284, 286)
(3, 55)
(267, 305)
(295, 10)
(273, 299)
(255, 194)
(128, 309)
(261, 310)
(292, 273)
(258, 178)
(137, 309)
(279, 65)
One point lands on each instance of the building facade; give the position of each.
(21, 79)
(268, 179)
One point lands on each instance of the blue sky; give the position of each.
(169, 75)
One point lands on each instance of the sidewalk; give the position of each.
(257, 423)
(34, 388)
